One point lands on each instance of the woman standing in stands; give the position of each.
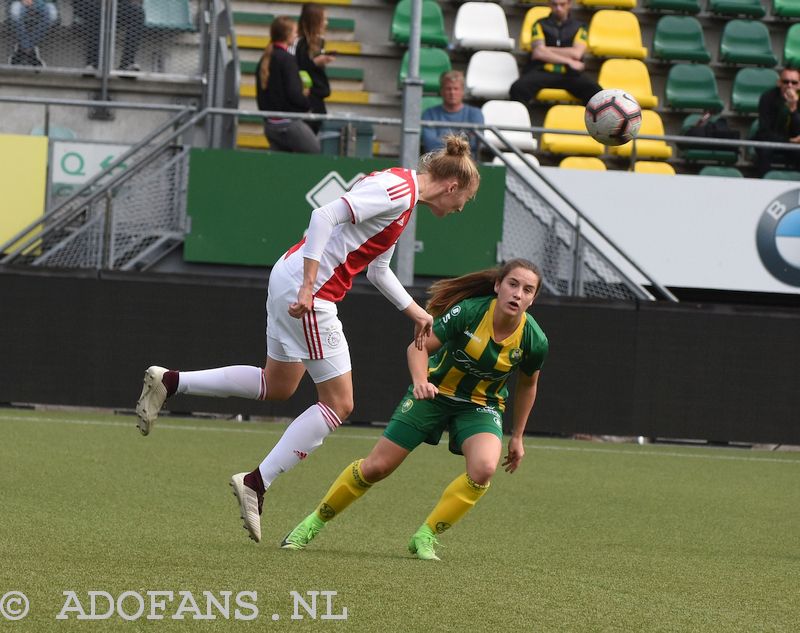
(482, 334)
(279, 89)
(304, 334)
(311, 56)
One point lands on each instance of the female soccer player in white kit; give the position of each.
(357, 231)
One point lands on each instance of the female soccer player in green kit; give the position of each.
(481, 334)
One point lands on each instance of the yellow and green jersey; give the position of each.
(568, 33)
(472, 366)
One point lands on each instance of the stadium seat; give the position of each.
(782, 174)
(589, 163)
(615, 34)
(705, 153)
(786, 8)
(631, 76)
(533, 15)
(748, 86)
(725, 171)
(646, 148)
(680, 38)
(175, 15)
(682, 6)
(556, 95)
(432, 63)
(750, 8)
(432, 28)
(612, 4)
(691, 86)
(513, 113)
(480, 26)
(568, 117)
(791, 47)
(653, 167)
(490, 74)
(746, 42)
(429, 101)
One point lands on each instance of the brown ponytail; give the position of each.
(453, 161)
(445, 293)
(310, 27)
(279, 31)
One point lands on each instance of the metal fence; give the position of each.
(104, 38)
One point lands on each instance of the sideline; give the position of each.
(648, 451)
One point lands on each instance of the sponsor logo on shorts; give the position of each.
(493, 412)
(406, 406)
(334, 338)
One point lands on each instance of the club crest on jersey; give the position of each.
(334, 338)
(515, 355)
(406, 406)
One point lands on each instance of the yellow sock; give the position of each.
(349, 486)
(457, 499)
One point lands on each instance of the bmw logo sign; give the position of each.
(778, 237)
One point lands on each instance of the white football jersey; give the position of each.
(380, 206)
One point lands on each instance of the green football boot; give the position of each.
(306, 530)
(422, 544)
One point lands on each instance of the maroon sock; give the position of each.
(170, 381)
(254, 481)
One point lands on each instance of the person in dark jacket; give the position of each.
(557, 48)
(280, 89)
(779, 121)
(309, 49)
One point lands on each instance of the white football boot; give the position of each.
(154, 393)
(250, 506)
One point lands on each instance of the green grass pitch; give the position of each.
(584, 537)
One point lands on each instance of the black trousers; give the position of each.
(767, 158)
(532, 81)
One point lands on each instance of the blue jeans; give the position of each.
(31, 23)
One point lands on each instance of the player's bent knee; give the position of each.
(482, 472)
(376, 469)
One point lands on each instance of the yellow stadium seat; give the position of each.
(653, 167)
(583, 162)
(646, 148)
(631, 76)
(533, 15)
(616, 4)
(556, 95)
(568, 117)
(615, 34)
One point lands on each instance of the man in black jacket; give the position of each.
(557, 47)
(779, 121)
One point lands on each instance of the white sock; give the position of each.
(243, 381)
(298, 441)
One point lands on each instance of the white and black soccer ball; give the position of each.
(613, 117)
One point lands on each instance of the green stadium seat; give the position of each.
(429, 101)
(172, 15)
(791, 47)
(697, 153)
(752, 8)
(432, 31)
(786, 8)
(748, 86)
(432, 63)
(691, 86)
(683, 6)
(781, 174)
(725, 171)
(680, 38)
(746, 42)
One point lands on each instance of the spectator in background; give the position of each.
(779, 121)
(452, 110)
(557, 48)
(311, 56)
(130, 18)
(30, 21)
(279, 89)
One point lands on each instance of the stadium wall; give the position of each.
(716, 373)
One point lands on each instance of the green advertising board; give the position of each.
(247, 208)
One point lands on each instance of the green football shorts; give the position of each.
(417, 421)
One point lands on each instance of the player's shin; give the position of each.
(456, 500)
(348, 486)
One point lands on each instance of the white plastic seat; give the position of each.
(482, 25)
(508, 113)
(490, 74)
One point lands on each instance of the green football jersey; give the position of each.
(471, 365)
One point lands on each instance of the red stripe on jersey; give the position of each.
(342, 278)
(352, 215)
(294, 248)
(400, 194)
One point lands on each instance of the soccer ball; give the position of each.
(613, 117)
